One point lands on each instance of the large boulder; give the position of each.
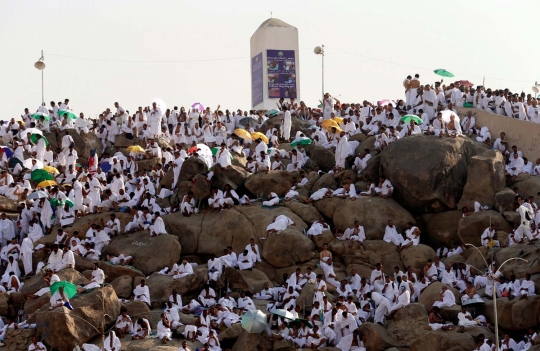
(527, 252)
(326, 180)
(191, 167)
(8, 205)
(485, 178)
(287, 248)
(262, 184)
(201, 188)
(245, 280)
(308, 213)
(409, 323)
(248, 342)
(377, 337)
(472, 227)
(18, 339)
(161, 286)
(83, 143)
(372, 213)
(123, 286)
(528, 187)
(440, 228)
(505, 200)
(143, 249)
(428, 173)
(232, 175)
(417, 256)
(63, 329)
(323, 157)
(387, 254)
(187, 229)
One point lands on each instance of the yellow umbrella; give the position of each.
(258, 135)
(328, 123)
(338, 120)
(51, 169)
(46, 183)
(242, 133)
(136, 149)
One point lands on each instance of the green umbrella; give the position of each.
(70, 290)
(443, 72)
(214, 150)
(39, 175)
(39, 115)
(254, 321)
(301, 141)
(34, 139)
(272, 112)
(69, 114)
(409, 118)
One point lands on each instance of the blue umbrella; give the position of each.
(105, 167)
(8, 151)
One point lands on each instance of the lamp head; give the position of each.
(40, 64)
(318, 50)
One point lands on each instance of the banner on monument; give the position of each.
(256, 80)
(281, 67)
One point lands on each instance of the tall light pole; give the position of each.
(40, 65)
(319, 50)
(494, 289)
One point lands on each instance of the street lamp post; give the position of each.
(493, 290)
(40, 65)
(319, 50)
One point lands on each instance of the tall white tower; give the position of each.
(275, 64)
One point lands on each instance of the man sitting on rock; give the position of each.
(356, 233)
(447, 298)
(317, 228)
(385, 188)
(403, 299)
(142, 293)
(449, 278)
(527, 287)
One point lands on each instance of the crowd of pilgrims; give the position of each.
(86, 190)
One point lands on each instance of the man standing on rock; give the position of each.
(342, 151)
(525, 224)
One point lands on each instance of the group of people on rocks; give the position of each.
(171, 136)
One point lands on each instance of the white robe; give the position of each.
(342, 151)
(112, 344)
(144, 293)
(26, 252)
(158, 227)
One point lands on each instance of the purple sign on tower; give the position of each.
(256, 80)
(281, 66)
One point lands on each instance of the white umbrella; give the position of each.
(37, 195)
(446, 116)
(206, 153)
(24, 133)
(254, 321)
(28, 163)
(283, 313)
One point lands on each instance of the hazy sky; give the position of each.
(472, 39)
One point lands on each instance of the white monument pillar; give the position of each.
(275, 64)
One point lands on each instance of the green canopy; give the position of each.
(409, 118)
(39, 115)
(39, 175)
(70, 290)
(34, 139)
(70, 115)
(443, 73)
